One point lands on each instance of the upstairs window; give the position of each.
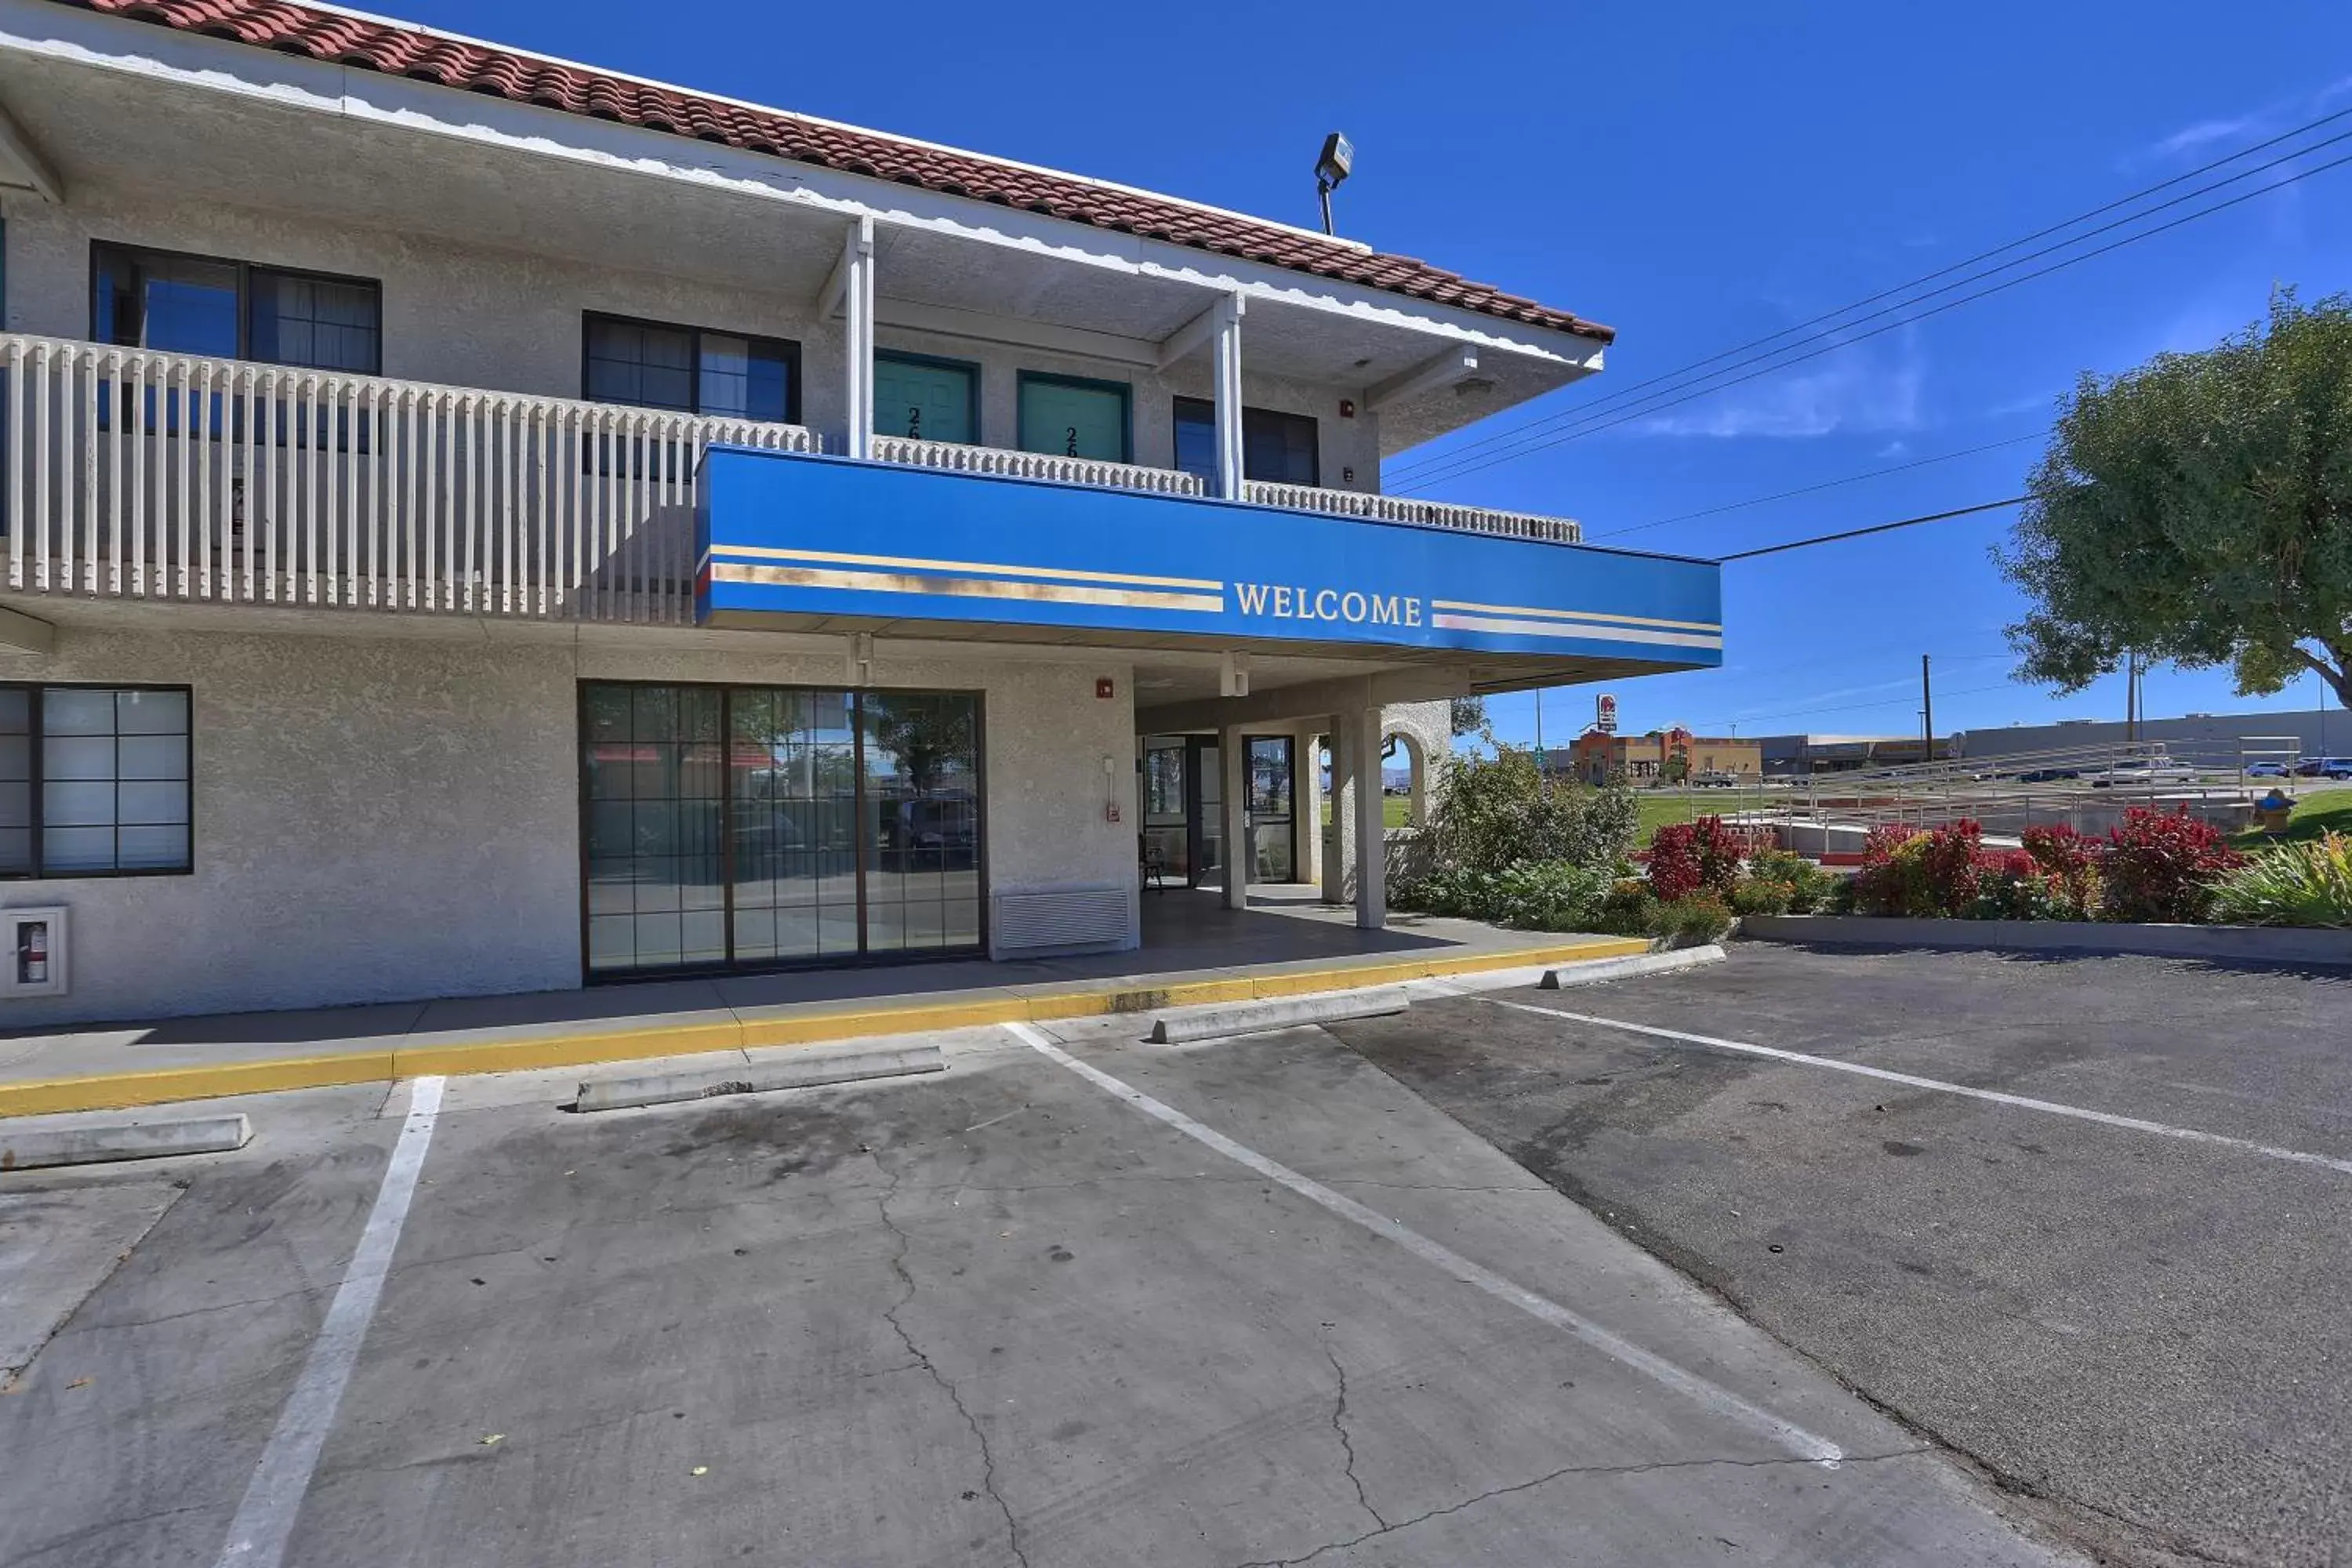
(235, 310)
(1276, 448)
(650, 364)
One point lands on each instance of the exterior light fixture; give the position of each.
(1339, 160)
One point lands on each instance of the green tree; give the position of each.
(2199, 510)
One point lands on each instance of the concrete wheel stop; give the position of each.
(95, 1139)
(1604, 969)
(1282, 1013)
(804, 1068)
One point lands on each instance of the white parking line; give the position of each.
(1709, 1397)
(257, 1536)
(1912, 1080)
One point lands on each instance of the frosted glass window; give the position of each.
(94, 781)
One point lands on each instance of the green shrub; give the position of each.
(1761, 896)
(2305, 884)
(1629, 909)
(1548, 895)
(1810, 887)
(1694, 918)
(1496, 812)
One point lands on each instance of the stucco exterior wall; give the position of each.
(396, 819)
(373, 820)
(510, 321)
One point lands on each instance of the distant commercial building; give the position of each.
(2215, 738)
(1797, 756)
(1653, 758)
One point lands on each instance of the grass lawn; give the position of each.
(2324, 812)
(1396, 811)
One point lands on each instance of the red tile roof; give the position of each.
(399, 50)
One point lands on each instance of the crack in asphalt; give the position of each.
(1347, 1444)
(947, 1386)
(1470, 1503)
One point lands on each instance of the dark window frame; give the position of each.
(246, 272)
(863, 958)
(1181, 406)
(941, 361)
(788, 350)
(36, 732)
(1126, 391)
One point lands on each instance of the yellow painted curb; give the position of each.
(107, 1092)
(158, 1086)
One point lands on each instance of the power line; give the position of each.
(1445, 458)
(2058, 266)
(1824, 485)
(1875, 528)
(1601, 419)
(1864, 707)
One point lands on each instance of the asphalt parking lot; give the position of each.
(1253, 1302)
(2146, 1327)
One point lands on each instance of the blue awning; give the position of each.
(782, 537)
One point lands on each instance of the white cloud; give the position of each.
(1854, 390)
(2205, 137)
(2203, 134)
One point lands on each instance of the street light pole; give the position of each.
(1927, 714)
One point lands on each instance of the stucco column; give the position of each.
(1306, 801)
(1335, 846)
(1372, 837)
(1233, 761)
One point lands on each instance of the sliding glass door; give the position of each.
(732, 826)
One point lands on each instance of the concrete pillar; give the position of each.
(857, 280)
(1233, 761)
(1335, 839)
(1372, 837)
(1227, 355)
(1306, 802)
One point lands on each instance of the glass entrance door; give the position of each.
(1271, 824)
(1209, 817)
(732, 826)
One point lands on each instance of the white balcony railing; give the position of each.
(962, 458)
(970, 460)
(132, 473)
(1420, 513)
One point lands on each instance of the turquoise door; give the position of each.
(1074, 418)
(930, 400)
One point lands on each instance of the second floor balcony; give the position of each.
(135, 474)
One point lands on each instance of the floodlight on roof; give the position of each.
(1336, 162)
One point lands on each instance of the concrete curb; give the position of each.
(804, 1069)
(1252, 1018)
(24, 1148)
(2220, 944)
(1608, 969)
(528, 1050)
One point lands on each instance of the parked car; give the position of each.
(1715, 778)
(2268, 771)
(2157, 771)
(2049, 776)
(2325, 768)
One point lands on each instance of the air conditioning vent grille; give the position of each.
(1061, 919)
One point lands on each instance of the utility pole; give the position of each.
(2132, 695)
(1927, 714)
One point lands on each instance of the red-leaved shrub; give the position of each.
(2159, 866)
(1950, 864)
(2072, 863)
(1688, 856)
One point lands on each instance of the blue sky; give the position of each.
(1695, 181)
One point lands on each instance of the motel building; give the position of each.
(478, 523)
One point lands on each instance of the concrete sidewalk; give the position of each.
(1194, 951)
